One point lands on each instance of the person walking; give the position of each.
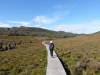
(51, 48)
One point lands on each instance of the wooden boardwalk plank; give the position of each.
(54, 66)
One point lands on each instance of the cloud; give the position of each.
(88, 27)
(21, 23)
(38, 21)
(5, 25)
(37, 25)
(43, 20)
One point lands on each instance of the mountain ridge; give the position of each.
(34, 31)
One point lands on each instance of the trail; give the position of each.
(54, 66)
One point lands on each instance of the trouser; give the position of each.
(51, 52)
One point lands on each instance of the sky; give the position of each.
(77, 16)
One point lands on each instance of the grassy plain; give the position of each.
(29, 57)
(80, 53)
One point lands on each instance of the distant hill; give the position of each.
(97, 32)
(32, 31)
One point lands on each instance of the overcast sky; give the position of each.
(77, 16)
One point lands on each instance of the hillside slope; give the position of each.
(32, 31)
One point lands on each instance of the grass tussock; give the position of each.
(28, 58)
(81, 54)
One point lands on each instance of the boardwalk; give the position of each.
(54, 66)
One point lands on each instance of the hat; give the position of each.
(51, 42)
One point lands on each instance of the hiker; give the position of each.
(51, 47)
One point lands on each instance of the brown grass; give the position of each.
(83, 51)
(27, 59)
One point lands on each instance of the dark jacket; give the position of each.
(51, 46)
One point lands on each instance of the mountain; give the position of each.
(97, 32)
(33, 31)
